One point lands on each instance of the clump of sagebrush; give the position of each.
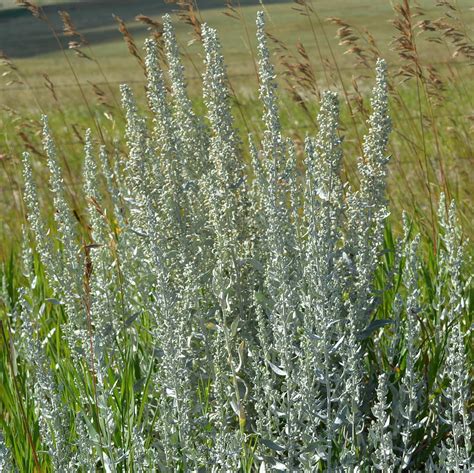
(209, 321)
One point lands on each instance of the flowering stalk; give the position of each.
(366, 213)
(322, 300)
(279, 241)
(380, 433)
(457, 448)
(410, 389)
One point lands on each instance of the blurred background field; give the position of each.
(69, 65)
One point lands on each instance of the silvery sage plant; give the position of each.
(226, 314)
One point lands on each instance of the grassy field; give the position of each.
(36, 52)
(431, 147)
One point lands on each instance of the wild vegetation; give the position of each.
(223, 314)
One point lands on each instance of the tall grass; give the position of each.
(215, 314)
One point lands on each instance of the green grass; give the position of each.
(285, 23)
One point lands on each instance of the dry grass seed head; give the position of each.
(156, 30)
(188, 13)
(34, 9)
(129, 41)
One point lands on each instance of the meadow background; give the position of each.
(318, 45)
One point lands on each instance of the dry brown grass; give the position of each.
(129, 41)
